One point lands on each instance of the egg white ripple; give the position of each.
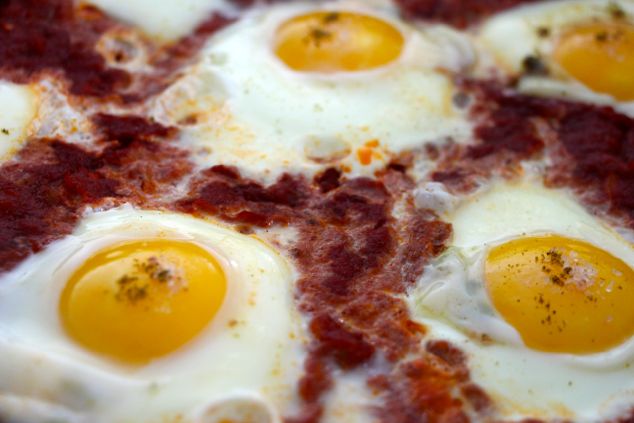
(451, 300)
(512, 36)
(255, 363)
(254, 112)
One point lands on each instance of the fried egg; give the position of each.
(18, 108)
(294, 87)
(578, 49)
(149, 316)
(534, 285)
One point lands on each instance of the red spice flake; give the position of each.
(459, 13)
(364, 155)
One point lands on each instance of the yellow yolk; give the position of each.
(141, 300)
(601, 56)
(562, 295)
(337, 41)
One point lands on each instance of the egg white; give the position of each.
(452, 301)
(512, 36)
(350, 400)
(18, 107)
(251, 352)
(254, 112)
(528, 384)
(165, 20)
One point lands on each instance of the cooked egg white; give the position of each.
(350, 400)
(586, 46)
(459, 298)
(245, 361)
(265, 100)
(166, 20)
(18, 108)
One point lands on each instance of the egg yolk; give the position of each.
(562, 295)
(601, 56)
(337, 41)
(141, 300)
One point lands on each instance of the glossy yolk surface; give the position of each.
(562, 295)
(601, 56)
(337, 41)
(141, 300)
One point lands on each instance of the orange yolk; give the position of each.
(562, 295)
(601, 56)
(337, 41)
(141, 300)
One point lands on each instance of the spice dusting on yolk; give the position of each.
(562, 295)
(601, 56)
(337, 41)
(141, 300)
